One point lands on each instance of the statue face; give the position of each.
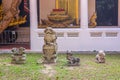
(21, 49)
(49, 30)
(14, 50)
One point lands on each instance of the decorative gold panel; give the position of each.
(70, 6)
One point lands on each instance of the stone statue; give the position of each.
(100, 57)
(72, 61)
(93, 22)
(18, 56)
(50, 46)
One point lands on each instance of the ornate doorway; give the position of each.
(107, 12)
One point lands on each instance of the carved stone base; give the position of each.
(18, 58)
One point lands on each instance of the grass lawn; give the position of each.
(88, 69)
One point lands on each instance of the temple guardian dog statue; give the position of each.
(50, 46)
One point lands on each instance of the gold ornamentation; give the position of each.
(58, 18)
(10, 17)
(93, 23)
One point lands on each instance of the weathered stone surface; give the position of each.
(18, 56)
(71, 60)
(50, 46)
(100, 57)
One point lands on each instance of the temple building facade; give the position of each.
(80, 25)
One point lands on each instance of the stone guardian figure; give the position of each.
(50, 46)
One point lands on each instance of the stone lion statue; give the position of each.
(50, 46)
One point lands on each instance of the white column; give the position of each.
(33, 24)
(119, 13)
(84, 14)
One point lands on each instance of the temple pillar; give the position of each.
(33, 24)
(84, 14)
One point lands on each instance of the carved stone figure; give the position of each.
(93, 22)
(18, 56)
(72, 61)
(50, 46)
(100, 57)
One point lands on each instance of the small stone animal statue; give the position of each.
(72, 61)
(100, 57)
(18, 56)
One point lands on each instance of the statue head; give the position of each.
(14, 50)
(101, 53)
(21, 50)
(49, 30)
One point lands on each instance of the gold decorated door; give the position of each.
(71, 7)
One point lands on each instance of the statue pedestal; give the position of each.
(18, 58)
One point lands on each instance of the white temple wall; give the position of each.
(76, 39)
(85, 40)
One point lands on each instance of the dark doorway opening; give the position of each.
(107, 12)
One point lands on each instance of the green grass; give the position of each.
(88, 69)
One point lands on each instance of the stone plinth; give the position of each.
(18, 56)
